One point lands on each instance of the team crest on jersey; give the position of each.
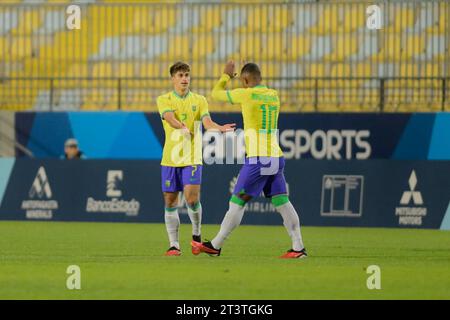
(194, 108)
(167, 183)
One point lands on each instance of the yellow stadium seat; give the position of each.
(433, 70)
(305, 100)
(4, 47)
(363, 69)
(355, 18)
(164, 84)
(137, 99)
(274, 47)
(158, 77)
(18, 94)
(21, 47)
(340, 70)
(270, 70)
(102, 70)
(71, 77)
(394, 98)
(111, 20)
(404, 18)
(410, 70)
(440, 27)
(103, 99)
(71, 45)
(415, 45)
(36, 67)
(177, 49)
(163, 19)
(362, 73)
(201, 71)
(280, 17)
(300, 46)
(151, 70)
(149, 20)
(257, 19)
(125, 70)
(314, 71)
(442, 24)
(350, 106)
(142, 21)
(29, 21)
(250, 47)
(328, 101)
(345, 45)
(391, 48)
(328, 21)
(202, 46)
(209, 19)
(369, 100)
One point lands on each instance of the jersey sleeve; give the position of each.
(236, 95)
(164, 105)
(204, 112)
(220, 93)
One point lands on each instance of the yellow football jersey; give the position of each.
(180, 151)
(260, 109)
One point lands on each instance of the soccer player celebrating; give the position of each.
(264, 163)
(181, 165)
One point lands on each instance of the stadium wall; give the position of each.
(366, 170)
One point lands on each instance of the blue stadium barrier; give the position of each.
(320, 136)
(371, 193)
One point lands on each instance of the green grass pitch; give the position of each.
(125, 261)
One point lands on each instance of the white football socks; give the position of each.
(231, 220)
(172, 225)
(195, 214)
(292, 224)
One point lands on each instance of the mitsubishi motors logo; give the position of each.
(407, 214)
(43, 206)
(413, 195)
(40, 186)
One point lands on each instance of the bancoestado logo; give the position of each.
(115, 204)
(256, 205)
(40, 205)
(411, 215)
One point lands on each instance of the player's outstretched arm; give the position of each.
(174, 122)
(209, 124)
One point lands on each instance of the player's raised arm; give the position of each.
(220, 92)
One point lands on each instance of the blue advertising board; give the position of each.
(320, 136)
(371, 193)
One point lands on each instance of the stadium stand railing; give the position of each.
(320, 55)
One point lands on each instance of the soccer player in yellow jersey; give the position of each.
(264, 163)
(181, 112)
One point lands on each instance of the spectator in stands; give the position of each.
(71, 150)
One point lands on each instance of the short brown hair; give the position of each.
(179, 66)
